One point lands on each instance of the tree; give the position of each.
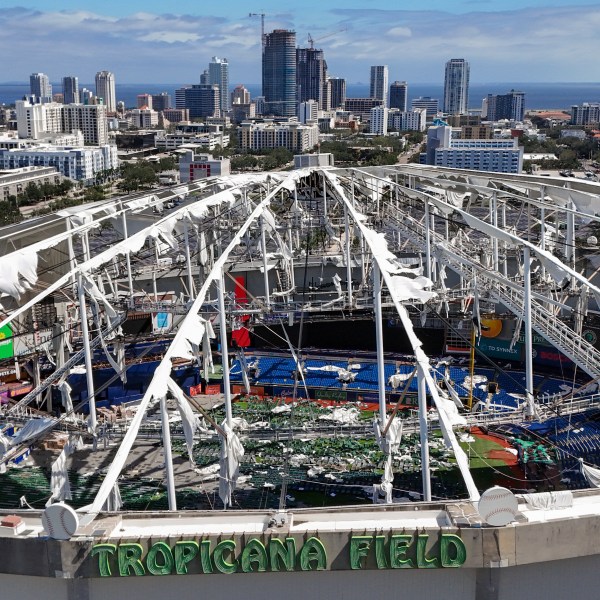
(93, 194)
(244, 162)
(277, 158)
(9, 212)
(167, 164)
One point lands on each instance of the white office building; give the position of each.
(498, 155)
(144, 118)
(194, 166)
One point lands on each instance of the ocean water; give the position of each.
(537, 95)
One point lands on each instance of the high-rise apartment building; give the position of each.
(40, 87)
(240, 95)
(218, 74)
(379, 83)
(509, 106)
(338, 91)
(410, 120)
(456, 86)
(378, 120)
(105, 89)
(70, 87)
(36, 121)
(587, 113)
(326, 95)
(279, 73)
(293, 136)
(311, 71)
(399, 95)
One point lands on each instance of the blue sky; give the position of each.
(158, 42)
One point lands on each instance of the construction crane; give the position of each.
(262, 27)
(312, 41)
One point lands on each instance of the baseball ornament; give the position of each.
(498, 506)
(60, 521)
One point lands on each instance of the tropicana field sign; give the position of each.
(395, 551)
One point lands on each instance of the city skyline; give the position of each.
(554, 41)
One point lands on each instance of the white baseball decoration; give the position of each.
(60, 521)
(498, 506)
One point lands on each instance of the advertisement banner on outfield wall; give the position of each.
(6, 342)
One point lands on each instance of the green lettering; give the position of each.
(313, 551)
(399, 545)
(380, 552)
(104, 551)
(359, 548)
(129, 556)
(220, 562)
(282, 553)
(205, 557)
(423, 562)
(184, 552)
(254, 552)
(166, 563)
(459, 552)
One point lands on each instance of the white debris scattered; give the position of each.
(240, 424)
(477, 379)
(345, 416)
(298, 460)
(314, 471)
(398, 378)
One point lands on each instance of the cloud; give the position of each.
(399, 32)
(549, 44)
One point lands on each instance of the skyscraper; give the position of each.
(70, 87)
(311, 70)
(218, 74)
(456, 86)
(161, 101)
(509, 106)
(338, 91)
(201, 100)
(40, 87)
(105, 89)
(399, 95)
(279, 73)
(379, 83)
